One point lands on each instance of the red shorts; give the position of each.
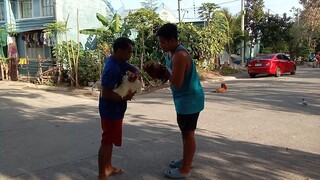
(112, 131)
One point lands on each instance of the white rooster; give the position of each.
(125, 86)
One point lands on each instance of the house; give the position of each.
(166, 14)
(26, 19)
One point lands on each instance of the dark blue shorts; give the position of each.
(187, 122)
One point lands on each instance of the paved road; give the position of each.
(258, 130)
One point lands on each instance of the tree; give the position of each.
(207, 43)
(310, 19)
(234, 31)
(253, 17)
(55, 31)
(190, 37)
(306, 29)
(215, 39)
(106, 35)
(275, 33)
(299, 44)
(145, 22)
(229, 20)
(207, 12)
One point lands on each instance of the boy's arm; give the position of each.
(180, 62)
(135, 70)
(109, 94)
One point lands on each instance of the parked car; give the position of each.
(275, 64)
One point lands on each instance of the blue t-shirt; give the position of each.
(112, 75)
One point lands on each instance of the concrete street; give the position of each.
(258, 130)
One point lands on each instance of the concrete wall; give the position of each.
(87, 16)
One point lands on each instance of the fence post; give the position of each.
(28, 72)
(40, 69)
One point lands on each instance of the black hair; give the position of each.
(168, 31)
(122, 43)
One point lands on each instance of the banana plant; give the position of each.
(110, 30)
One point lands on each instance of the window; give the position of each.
(285, 57)
(25, 8)
(265, 56)
(1, 11)
(47, 7)
(279, 56)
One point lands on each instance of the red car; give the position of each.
(275, 64)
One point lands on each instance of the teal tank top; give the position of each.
(189, 98)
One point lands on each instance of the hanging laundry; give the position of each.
(10, 40)
(23, 61)
(41, 38)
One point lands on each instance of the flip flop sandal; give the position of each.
(175, 174)
(177, 164)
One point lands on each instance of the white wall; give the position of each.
(167, 16)
(87, 15)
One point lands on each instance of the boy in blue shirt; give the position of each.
(187, 93)
(112, 106)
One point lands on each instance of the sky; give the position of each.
(275, 6)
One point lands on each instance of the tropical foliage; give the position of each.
(297, 35)
(106, 34)
(254, 15)
(279, 40)
(207, 12)
(142, 26)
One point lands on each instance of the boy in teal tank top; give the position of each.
(187, 95)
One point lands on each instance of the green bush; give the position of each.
(89, 66)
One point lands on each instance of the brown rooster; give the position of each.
(223, 89)
(157, 71)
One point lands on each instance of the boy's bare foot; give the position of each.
(114, 171)
(103, 177)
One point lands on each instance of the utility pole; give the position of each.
(242, 30)
(179, 10)
(298, 16)
(5, 11)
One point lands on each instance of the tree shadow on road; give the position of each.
(233, 159)
(276, 93)
(62, 143)
(149, 144)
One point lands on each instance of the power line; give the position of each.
(227, 2)
(271, 10)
